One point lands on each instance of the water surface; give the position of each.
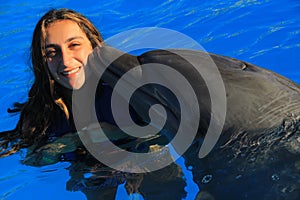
(266, 33)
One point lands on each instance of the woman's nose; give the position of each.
(66, 58)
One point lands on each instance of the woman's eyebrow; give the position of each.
(67, 40)
(73, 38)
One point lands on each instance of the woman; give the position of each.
(62, 41)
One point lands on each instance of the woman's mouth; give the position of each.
(70, 73)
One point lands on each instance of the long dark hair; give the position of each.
(44, 102)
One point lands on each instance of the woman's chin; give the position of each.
(76, 85)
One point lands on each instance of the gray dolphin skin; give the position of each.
(258, 152)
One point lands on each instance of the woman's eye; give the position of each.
(74, 45)
(50, 54)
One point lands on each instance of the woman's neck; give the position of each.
(81, 103)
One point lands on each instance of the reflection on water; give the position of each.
(98, 181)
(249, 165)
(93, 180)
(103, 182)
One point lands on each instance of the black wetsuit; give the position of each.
(61, 125)
(103, 110)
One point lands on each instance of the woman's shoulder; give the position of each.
(60, 126)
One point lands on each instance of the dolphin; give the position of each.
(256, 98)
(256, 153)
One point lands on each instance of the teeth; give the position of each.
(71, 72)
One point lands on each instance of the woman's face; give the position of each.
(67, 49)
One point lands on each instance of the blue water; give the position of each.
(265, 33)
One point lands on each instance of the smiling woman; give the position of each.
(67, 49)
(61, 43)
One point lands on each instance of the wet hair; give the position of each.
(44, 102)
